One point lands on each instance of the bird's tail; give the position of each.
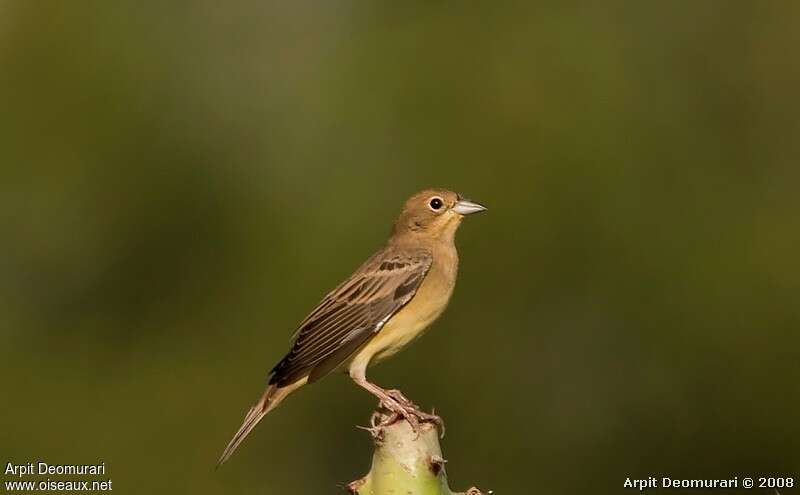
(269, 400)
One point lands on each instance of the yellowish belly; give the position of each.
(408, 324)
(398, 333)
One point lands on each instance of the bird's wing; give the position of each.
(352, 313)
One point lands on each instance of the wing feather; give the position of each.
(351, 314)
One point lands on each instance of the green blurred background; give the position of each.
(182, 182)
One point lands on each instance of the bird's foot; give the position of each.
(400, 398)
(432, 417)
(396, 411)
(409, 411)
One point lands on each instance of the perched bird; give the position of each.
(380, 308)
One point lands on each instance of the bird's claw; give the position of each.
(401, 399)
(431, 417)
(397, 411)
(407, 410)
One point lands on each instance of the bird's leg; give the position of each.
(398, 405)
(389, 403)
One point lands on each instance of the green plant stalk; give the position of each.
(405, 462)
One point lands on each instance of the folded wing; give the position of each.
(352, 313)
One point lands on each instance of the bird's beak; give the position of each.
(465, 207)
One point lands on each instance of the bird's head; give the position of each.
(435, 213)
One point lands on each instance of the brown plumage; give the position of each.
(379, 309)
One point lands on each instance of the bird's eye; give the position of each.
(436, 204)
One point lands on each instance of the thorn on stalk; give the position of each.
(353, 487)
(436, 464)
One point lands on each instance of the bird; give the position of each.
(384, 305)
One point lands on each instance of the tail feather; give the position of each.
(260, 409)
(272, 396)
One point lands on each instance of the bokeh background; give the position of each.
(181, 183)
